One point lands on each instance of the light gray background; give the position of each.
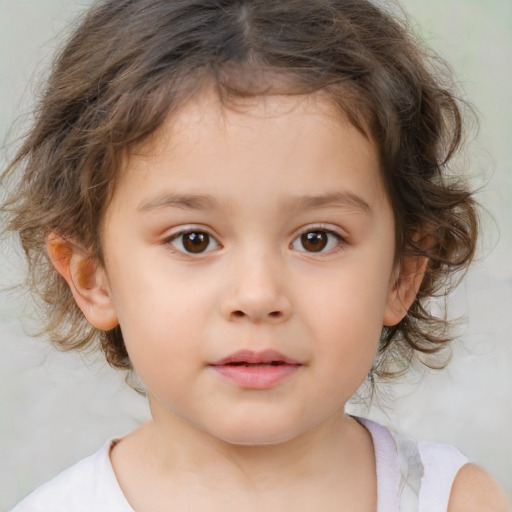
(57, 408)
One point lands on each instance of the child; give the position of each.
(247, 204)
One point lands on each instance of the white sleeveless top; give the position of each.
(411, 477)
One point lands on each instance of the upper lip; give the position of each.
(252, 357)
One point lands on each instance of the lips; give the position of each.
(256, 370)
(250, 357)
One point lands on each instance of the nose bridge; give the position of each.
(257, 289)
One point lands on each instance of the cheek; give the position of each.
(349, 342)
(346, 316)
(163, 323)
(164, 354)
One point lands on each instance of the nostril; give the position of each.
(256, 316)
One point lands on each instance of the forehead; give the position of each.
(208, 110)
(208, 146)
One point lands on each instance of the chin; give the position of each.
(256, 440)
(256, 434)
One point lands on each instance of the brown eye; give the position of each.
(317, 240)
(314, 241)
(194, 242)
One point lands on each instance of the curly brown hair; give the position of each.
(130, 63)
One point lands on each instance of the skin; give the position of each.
(211, 444)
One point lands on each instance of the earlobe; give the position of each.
(86, 279)
(403, 288)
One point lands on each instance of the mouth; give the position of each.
(250, 365)
(252, 358)
(256, 370)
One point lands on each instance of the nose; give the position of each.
(256, 292)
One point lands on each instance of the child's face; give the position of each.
(290, 248)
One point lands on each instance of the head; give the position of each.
(132, 66)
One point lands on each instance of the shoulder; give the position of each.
(89, 485)
(475, 490)
(439, 477)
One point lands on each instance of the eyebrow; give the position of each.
(346, 200)
(182, 201)
(204, 202)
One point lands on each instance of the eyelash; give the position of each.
(340, 241)
(190, 231)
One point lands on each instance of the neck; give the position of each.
(331, 463)
(175, 444)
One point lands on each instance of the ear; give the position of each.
(403, 288)
(86, 279)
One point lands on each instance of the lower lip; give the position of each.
(257, 377)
